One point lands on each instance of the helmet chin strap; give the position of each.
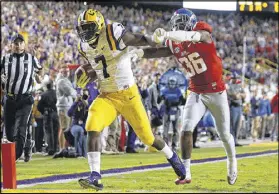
(94, 41)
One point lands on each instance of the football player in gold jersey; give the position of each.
(105, 46)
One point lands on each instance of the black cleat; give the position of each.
(93, 182)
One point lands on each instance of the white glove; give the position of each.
(136, 54)
(159, 35)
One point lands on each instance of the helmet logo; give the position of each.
(177, 50)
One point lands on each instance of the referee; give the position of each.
(19, 69)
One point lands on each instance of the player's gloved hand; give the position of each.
(159, 35)
(136, 54)
(82, 81)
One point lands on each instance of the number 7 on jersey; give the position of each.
(104, 63)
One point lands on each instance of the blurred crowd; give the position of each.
(49, 30)
(52, 36)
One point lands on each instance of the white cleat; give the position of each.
(232, 178)
(232, 171)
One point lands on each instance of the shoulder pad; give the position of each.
(201, 25)
(115, 32)
(118, 30)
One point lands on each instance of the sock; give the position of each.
(94, 161)
(167, 151)
(187, 163)
(230, 148)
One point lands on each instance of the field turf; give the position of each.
(258, 174)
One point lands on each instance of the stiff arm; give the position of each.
(195, 36)
(179, 36)
(132, 39)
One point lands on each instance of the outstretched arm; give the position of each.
(157, 52)
(131, 39)
(122, 37)
(195, 36)
(160, 35)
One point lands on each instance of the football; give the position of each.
(88, 70)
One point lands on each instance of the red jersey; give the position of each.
(200, 60)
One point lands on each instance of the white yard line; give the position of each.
(135, 171)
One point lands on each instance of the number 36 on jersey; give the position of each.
(193, 63)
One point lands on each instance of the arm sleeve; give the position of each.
(181, 36)
(36, 64)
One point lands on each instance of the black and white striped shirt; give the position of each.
(19, 70)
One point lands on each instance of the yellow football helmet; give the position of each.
(89, 25)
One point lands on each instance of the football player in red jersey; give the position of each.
(191, 43)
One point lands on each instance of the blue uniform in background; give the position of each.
(264, 111)
(172, 99)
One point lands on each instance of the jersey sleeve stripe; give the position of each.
(107, 33)
(170, 45)
(111, 39)
(114, 39)
(80, 50)
(166, 43)
(112, 34)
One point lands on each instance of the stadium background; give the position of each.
(51, 34)
(49, 30)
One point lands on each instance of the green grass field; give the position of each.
(258, 174)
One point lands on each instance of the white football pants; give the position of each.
(217, 104)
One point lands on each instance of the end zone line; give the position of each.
(120, 171)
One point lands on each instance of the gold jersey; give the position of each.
(110, 59)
